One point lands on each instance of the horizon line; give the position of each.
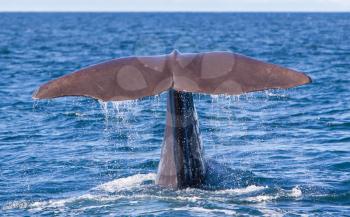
(165, 11)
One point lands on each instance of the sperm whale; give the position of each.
(181, 74)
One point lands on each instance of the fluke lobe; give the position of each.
(181, 164)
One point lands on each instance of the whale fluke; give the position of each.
(182, 163)
(136, 77)
(115, 80)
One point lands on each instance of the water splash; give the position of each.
(126, 183)
(140, 187)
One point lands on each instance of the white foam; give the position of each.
(270, 213)
(126, 183)
(238, 191)
(101, 193)
(296, 192)
(261, 198)
(40, 205)
(204, 210)
(20, 204)
(190, 198)
(83, 209)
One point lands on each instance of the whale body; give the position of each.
(181, 163)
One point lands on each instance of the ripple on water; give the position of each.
(280, 152)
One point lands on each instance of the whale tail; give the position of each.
(136, 77)
(182, 164)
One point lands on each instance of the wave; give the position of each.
(140, 187)
(126, 183)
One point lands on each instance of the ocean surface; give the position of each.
(271, 153)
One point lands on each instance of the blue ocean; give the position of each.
(270, 153)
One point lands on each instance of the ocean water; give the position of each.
(271, 153)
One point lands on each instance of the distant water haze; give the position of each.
(176, 5)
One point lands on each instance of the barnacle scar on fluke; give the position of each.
(181, 164)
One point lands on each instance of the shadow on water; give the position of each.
(219, 177)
